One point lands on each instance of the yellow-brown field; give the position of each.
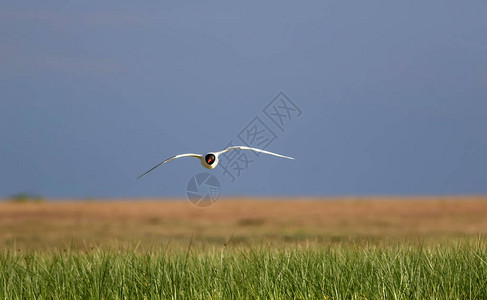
(32, 226)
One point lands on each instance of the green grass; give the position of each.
(452, 270)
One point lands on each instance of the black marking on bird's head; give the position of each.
(210, 158)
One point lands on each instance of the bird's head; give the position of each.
(210, 158)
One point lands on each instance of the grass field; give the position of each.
(401, 248)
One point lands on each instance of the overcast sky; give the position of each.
(380, 97)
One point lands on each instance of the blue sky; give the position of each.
(393, 95)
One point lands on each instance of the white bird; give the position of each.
(210, 160)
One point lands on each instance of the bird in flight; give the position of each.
(210, 160)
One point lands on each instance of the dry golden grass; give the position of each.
(240, 220)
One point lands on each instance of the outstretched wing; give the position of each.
(174, 157)
(253, 149)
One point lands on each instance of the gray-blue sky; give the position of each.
(393, 95)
